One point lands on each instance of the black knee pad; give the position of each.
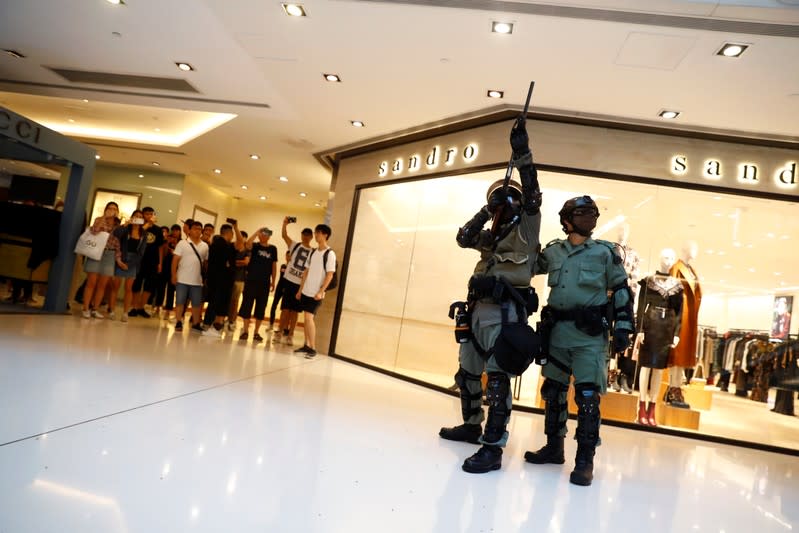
(551, 389)
(498, 388)
(586, 393)
(462, 376)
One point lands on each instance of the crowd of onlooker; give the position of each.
(216, 277)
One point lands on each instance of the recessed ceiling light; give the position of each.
(255, 157)
(770, 235)
(668, 114)
(357, 123)
(71, 120)
(501, 27)
(493, 93)
(283, 178)
(262, 197)
(217, 171)
(317, 204)
(97, 156)
(155, 164)
(141, 175)
(156, 129)
(303, 194)
(294, 10)
(14, 54)
(751, 269)
(85, 101)
(332, 77)
(732, 50)
(244, 187)
(116, 2)
(727, 267)
(778, 273)
(185, 67)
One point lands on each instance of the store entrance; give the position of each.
(739, 381)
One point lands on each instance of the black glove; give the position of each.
(496, 201)
(621, 340)
(519, 141)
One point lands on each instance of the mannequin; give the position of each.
(684, 355)
(659, 312)
(622, 368)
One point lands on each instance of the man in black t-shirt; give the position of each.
(219, 278)
(261, 277)
(150, 266)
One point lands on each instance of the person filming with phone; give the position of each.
(260, 280)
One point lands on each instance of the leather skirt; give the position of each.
(658, 328)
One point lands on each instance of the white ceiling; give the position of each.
(402, 65)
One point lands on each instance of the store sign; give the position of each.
(19, 128)
(784, 176)
(429, 160)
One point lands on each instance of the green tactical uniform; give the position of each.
(499, 293)
(578, 277)
(588, 297)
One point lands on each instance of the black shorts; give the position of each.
(309, 304)
(147, 278)
(290, 301)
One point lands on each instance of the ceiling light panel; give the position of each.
(185, 67)
(668, 114)
(493, 93)
(294, 10)
(502, 27)
(732, 49)
(332, 77)
(357, 123)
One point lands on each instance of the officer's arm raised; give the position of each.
(469, 235)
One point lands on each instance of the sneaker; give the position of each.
(133, 312)
(198, 328)
(178, 326)
(144, 314)
(231, 326)
(310, 353)
(277, 338)
(244, 336)
(97, 314)
(86, 314)
(305, 348)
(212, 332)
(112, 316)
(257, 337)
(124, 317)
(289, 340)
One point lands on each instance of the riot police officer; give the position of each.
(500, 301)
(589, 296)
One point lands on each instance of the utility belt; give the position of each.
(518, 344)
(591, 320)
(499, 290)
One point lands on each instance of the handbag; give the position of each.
(92, 245)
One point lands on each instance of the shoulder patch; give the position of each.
(613, 250)
(553, 241)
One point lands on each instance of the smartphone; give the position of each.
(292, 220)
(231, 221)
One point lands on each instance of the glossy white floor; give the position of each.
(108, 427)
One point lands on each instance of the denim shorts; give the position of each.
(133, 268)
(104, 267)
(192, 292)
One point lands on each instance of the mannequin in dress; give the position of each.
(684, 355)
(660, 305)
(622, 369)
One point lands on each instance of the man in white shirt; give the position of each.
(290, 308)
(315, 279)
(188, 261)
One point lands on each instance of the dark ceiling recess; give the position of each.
(125, 80)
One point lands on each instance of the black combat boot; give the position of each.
(551, 453)
(583, 472)
(586, 395)
(463, 433)
(487, 458)
(555, 414)
(471, 405)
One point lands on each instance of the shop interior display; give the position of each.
(734, 264)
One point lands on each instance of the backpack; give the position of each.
(334, 280)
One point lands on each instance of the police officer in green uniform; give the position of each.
(500, 297)
(588, 296)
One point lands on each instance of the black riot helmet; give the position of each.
(504, 204)
(582, 213)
